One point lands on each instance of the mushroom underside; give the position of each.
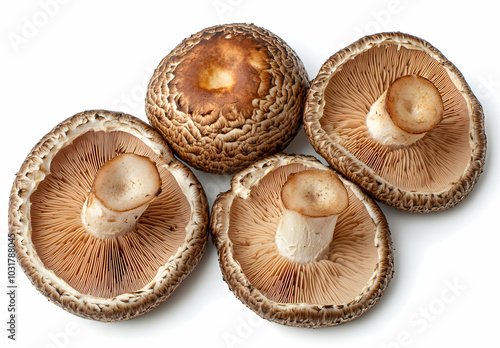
(103, 267)
(339, 278)
(433, 163)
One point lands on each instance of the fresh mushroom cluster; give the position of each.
(107, 222)
(392, 114)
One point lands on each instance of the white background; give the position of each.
(62, 57)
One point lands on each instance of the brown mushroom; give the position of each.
(392, 114)
(107, 222)
(227, 96)
(300, 245)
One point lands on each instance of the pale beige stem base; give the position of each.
(303, 239)
(122, 190)
(383, 130)
(312, 200)
(405, 112)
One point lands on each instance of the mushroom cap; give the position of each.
(227, 96)
(113, 279)
(350, 280)
(433, 174)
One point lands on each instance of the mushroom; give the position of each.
(300, 245)
(227, 96)
(107, 222)
(393, 115)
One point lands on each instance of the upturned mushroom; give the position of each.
(392, 114)
(300, 245)
(107, 222)
(227, 96)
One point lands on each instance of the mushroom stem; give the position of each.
(122, 190)
(303, 239)
(405, 112)
(312, 201)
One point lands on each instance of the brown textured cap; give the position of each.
(352, 277)
(432, 174)
(227, 96)
(104, 279)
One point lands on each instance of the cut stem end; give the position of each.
(405, 112)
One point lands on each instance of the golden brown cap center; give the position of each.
(222, 75)
(216, 77)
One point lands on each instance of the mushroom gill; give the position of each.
(430, 164)
(339, 278)
(113, 266)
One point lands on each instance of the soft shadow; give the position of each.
(300, 145)
(167, 315)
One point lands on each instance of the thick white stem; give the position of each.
(104, 223)
(122, 190)
(303, 239)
